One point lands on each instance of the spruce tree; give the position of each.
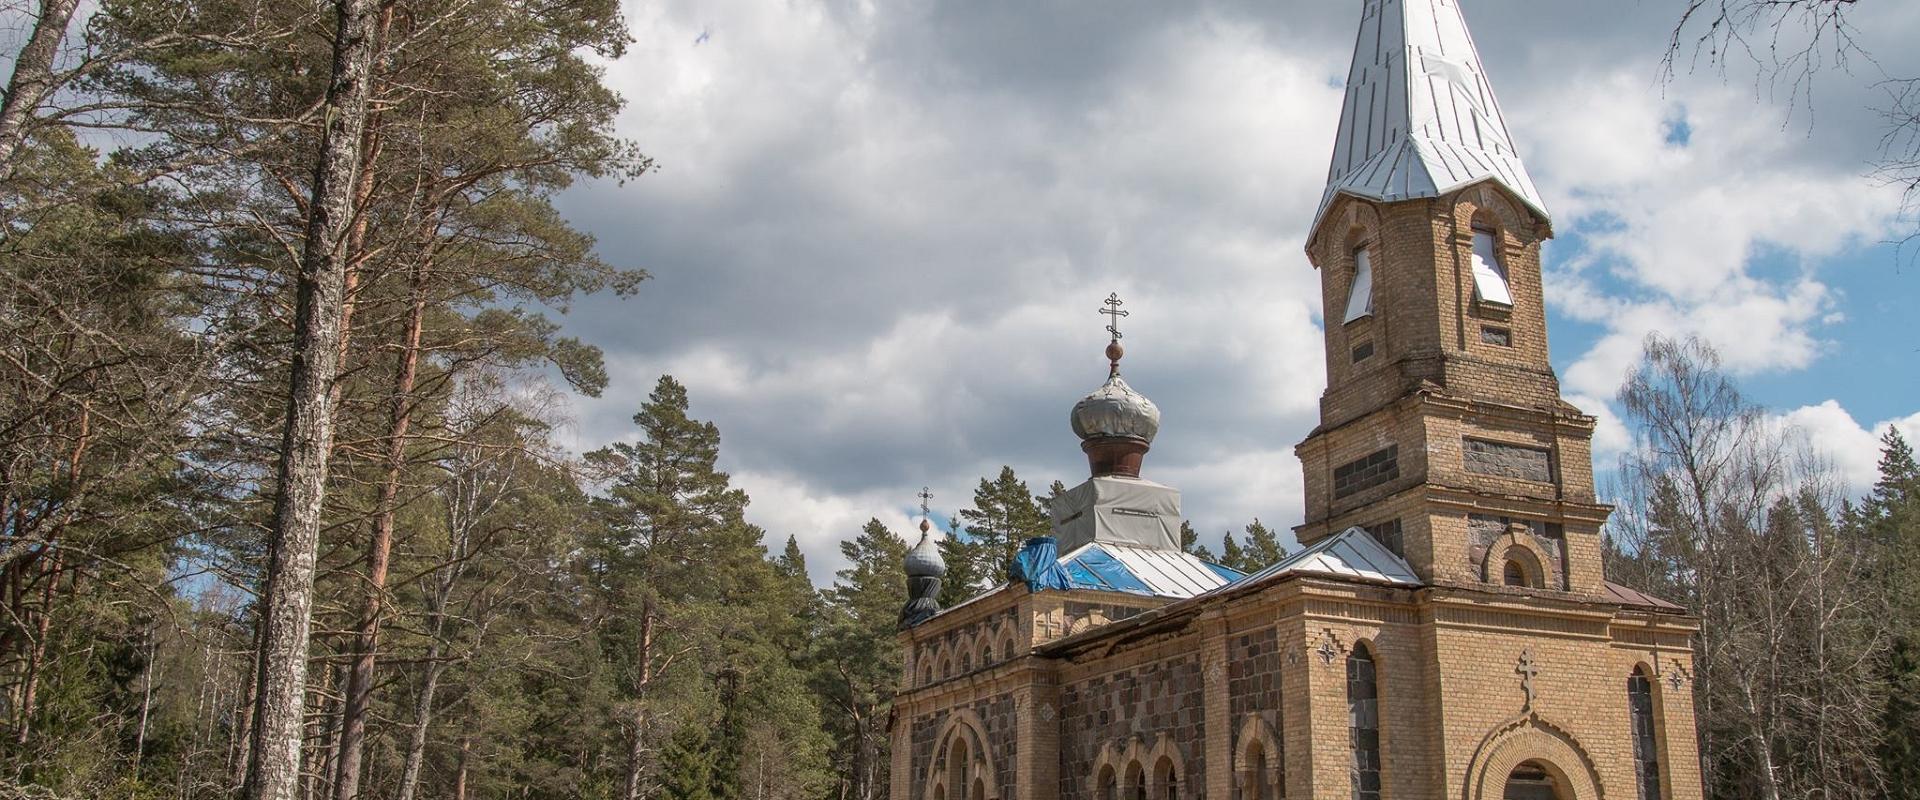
(1889, 518)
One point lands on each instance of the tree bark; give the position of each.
(460, 771)
(273, 770)
(637, 751)
(358, 700)
(32, 80)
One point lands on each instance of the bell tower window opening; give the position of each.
(1489, 272)
(1360, 296)
(1515, 575)
(1646, 756)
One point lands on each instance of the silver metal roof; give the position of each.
(1352, 553)
(1158, 572)
(1420, 119)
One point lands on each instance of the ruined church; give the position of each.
(1446, 629)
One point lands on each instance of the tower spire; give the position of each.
(1420, 118)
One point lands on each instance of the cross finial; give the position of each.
(1112, 310)
(1114, 313)
(1527, 670)
(926, 509)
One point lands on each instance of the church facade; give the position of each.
(1446, 630)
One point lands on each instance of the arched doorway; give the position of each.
(1530, 780)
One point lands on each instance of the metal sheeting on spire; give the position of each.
(1420, 118)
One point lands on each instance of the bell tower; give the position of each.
(1442, 430)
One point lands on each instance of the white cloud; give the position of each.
(881, 230)
(1853, 448)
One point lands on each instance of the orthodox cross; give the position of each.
(1527, 671)
(926, 497)
(1674, 678)
(1112, 310)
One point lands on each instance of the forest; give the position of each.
(285, 513)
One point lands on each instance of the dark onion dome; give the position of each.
(924, 560)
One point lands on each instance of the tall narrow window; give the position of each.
(1363, 723)
(1167, 778)
(1646, 758)
(1136, 781)
(1489, 273)
(1109, 786)
(1360, 297)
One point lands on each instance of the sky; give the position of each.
(880, 233)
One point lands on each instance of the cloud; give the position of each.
(1854, 449)
(881, 230)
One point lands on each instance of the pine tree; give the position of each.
(1003, 517)
(1262, 550)
(965, 566)
(859, 661)
(674, 549)
(1190, 542)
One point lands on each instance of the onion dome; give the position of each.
(1115, 409)
(924, 568)
(1116, 424)
(924, 560)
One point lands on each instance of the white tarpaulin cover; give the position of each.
(1131, 511)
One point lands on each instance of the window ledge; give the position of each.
(1488, 309)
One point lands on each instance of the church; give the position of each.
(1446, 629)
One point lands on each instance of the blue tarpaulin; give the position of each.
(1038, 565)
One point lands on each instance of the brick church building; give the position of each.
(1446, 630)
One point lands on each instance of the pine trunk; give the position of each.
(637, 751)
(358, 700)
(273, 770)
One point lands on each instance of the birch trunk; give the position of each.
(32, 81)
(273, 769)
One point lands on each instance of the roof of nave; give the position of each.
(1351, 554)
(1152, 571)
(1634, 597)
(1420, 118)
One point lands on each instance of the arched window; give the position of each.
(1253, 780)
(1646, 756)
(1166, 780)
(959, 766)
(1363, 723)
(1360, 296)
(1136, 782)
(1516, 575)
(1530, 781)
(1108, 785)
(1489, 272)
(979, 789)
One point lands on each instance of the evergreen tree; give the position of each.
(966, 566)
(859, 659)
(1889, 518)
(1262, 549)
(1003, 517)
(674, 551)
(1190, 542)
